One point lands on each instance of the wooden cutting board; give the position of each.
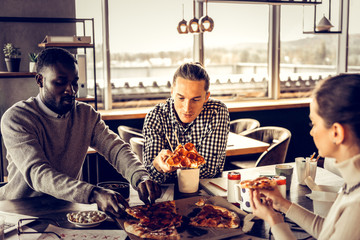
(187, 206)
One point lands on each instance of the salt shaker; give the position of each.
(233, 179)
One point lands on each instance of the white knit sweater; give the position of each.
(342, 221)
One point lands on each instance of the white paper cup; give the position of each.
(243, 197)
(305, 168)
(188, 180)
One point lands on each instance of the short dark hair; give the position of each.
(192, 71)
(338, 100)
(51, 56)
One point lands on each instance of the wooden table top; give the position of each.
(55, 208)
(241, 145)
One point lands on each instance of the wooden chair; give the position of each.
(277, 137)
(243, 125)
(137, 145)
(126, 132)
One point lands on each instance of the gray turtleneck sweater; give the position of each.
(45, 152)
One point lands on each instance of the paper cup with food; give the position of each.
(243, 189)
(187, 160)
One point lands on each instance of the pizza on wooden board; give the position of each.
(155, 221)
(161, 220)
(215, 216)
(185, 156)
(259, 183)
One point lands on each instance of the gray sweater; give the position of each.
(45, 153)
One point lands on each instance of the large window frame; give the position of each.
(273, 48)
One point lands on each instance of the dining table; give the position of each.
(240, 145)
(236, 145)
(50, 207)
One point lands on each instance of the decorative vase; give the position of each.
(32, 66)
(13, 64)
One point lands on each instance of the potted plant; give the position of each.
(33, 58)
(12, 57)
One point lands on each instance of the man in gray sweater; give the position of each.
(47, 138)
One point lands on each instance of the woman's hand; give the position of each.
(263, 208)
(279, 203)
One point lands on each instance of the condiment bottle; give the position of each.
(281, 183)
(233, 179)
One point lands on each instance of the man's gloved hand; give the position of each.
(109, 201)
(148, 188)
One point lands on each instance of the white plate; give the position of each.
(87, 225)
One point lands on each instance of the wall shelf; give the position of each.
(270, 2)
(17, 74)
(69, 45)
(322, 32)
(45, 20)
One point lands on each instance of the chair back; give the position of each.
(2, 170)
(243, 125)
(278, 138)
(137, 145)
(126, 132)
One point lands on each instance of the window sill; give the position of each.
(245, 106)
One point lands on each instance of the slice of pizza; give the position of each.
(215, 216)
(156, 221)
(167, 233)
(259, 183)
(185, 156)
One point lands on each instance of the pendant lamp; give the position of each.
(206, 22)
(194, 23)
(182, 26)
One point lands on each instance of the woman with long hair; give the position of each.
(335, 119)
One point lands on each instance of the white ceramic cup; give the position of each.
(188, 180)
(242, 196)
(305, 168)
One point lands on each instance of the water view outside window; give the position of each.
(236, 51)
(146, 49)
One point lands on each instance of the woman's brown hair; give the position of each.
(338, 100)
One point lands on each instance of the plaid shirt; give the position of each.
(208, 132)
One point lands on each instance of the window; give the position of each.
(146, 49)
(305, 58)
(354, 37)
(236, 51)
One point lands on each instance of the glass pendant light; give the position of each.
(206, 22)
(182, 26)
(194, 23)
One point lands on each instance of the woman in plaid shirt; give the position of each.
(194, 117)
